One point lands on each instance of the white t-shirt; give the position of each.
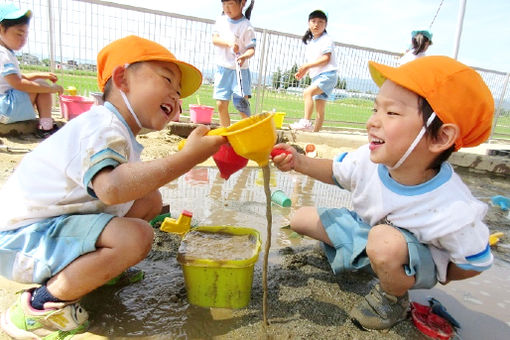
(240, 31)
(55, 178)
(315, 48)
(441, 213)
(8, 65)
(410, 56)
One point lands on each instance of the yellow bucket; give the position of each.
(220, 283)
(278, 119)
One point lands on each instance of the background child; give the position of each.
(321, 66)
(420, 42)
(18, 92)
(414, 222)
(234, 41)
(75, 221)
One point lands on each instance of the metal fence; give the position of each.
(66, 35)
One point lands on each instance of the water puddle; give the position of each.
(157, 308)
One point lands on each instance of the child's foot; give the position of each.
(303, 124)
(58, 320)
(41, 133)
(380, 310)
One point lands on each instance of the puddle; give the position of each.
(157, 308)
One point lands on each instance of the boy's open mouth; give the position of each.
(376, 141)
(167, 109)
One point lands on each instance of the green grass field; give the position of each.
(341, 113)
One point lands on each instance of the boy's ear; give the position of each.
(119, 78)
(446, 137)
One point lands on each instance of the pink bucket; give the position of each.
(73, 106)
(201, 114)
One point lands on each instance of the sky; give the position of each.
(381, 24)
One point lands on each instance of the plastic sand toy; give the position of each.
(430, 324)
(501, 201)
(252, 138)
(177, 226)
(217, 277)
(228, 161)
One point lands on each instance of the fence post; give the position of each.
(500, 105)
(51, 37)
(260, 88)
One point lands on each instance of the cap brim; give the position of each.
(18, 14)
(399, 75)
(191, 78)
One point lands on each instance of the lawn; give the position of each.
(345, 112)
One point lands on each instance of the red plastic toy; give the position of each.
(430, 324)
(277, 151)
(228, 161)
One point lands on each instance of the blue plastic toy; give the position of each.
(501, 201)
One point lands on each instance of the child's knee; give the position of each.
(139, 241)
(385, 245)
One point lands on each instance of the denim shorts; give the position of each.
(15, 106)
(326, 81)
(36, 252)
(225, 83)
(349, 234)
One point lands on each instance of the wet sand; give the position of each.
(305, 299)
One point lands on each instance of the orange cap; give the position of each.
(456, 93)
(132, 49)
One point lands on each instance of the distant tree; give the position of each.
(307, 80)
(277, 79)
(46, 62)
(290, 77)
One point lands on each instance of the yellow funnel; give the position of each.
(253, 137)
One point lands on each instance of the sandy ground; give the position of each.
(311, 302)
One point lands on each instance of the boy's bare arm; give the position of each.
(29, 86)
(320, 169)
(455, 273)
(131, 181)
(221, 42)
(41, 75)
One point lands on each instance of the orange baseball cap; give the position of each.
(456, 92)
(132, 49)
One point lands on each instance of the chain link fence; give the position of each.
(66, 35)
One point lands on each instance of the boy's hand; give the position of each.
(51, 77)
(200, 147)
(284, 157)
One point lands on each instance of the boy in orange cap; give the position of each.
(414, 222)
(77, 219)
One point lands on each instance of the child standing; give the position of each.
(321, 66)
(420, 42)
(86, 221)
(414, 222)
(234, 41)
(18, 92)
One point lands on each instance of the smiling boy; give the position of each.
(413, 222)
(74, 213)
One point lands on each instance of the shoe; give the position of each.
(130, 275)
(380, 310)
(303, 124)
(58, 320)
(40, 133)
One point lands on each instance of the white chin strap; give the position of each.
(126, 101)
(415, 142)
